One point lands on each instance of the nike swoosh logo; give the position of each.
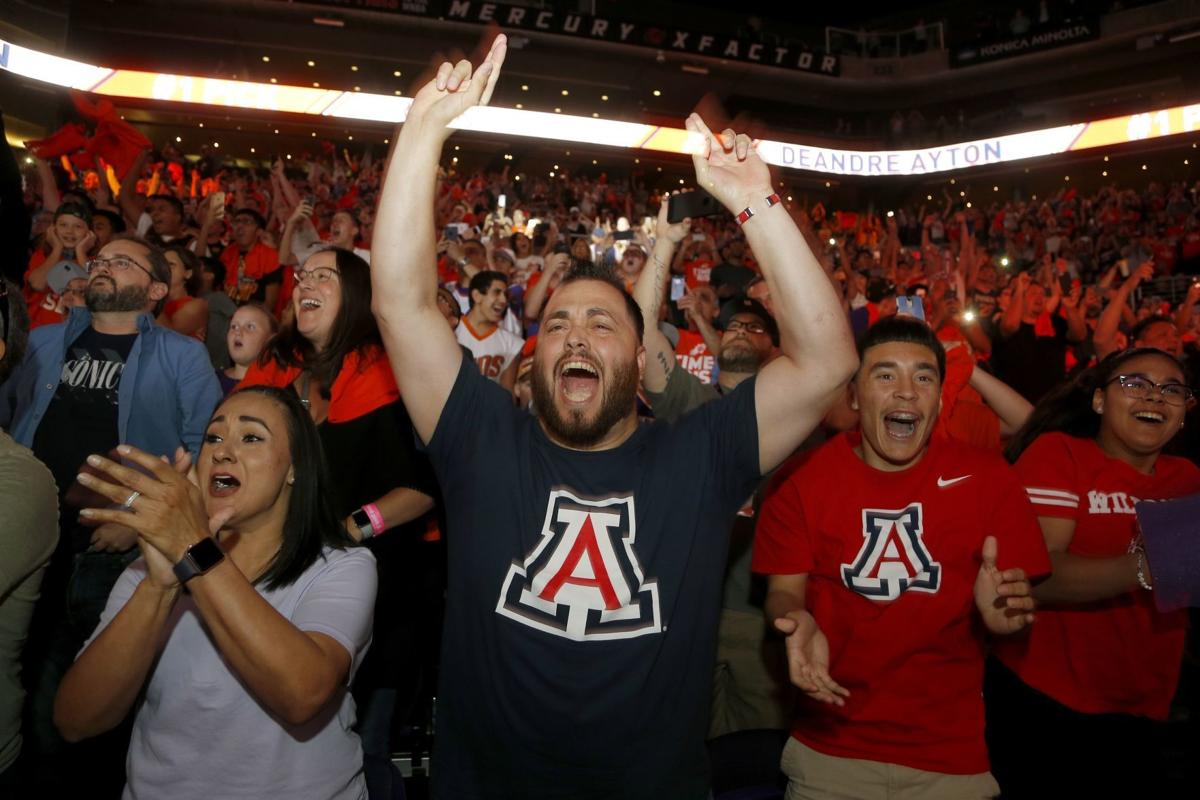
(943, 483)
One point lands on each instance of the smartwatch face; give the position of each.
(207, 554)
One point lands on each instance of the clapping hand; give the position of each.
(167, 510)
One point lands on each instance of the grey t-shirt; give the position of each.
(199, 734)
(28, 533)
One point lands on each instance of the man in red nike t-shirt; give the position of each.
(889, 554)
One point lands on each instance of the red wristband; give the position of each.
(746, 213)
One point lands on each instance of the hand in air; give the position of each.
(728, 166)
(675, 233)
(455, 88)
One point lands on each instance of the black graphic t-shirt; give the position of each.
(82, 417)
(584, 592)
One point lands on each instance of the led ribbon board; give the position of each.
(221, 93)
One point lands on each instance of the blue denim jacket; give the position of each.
(167, 393)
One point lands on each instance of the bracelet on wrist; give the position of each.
(1141, 571)
(746, 213)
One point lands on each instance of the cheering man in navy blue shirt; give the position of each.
(583, 596)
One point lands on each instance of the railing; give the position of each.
(886, 44)
(1171, 288)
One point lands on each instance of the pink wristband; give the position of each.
(376, 518)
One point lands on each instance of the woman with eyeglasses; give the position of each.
(234, 636)
(1076, 707)
(331, 356)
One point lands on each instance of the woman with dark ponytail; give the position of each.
(1074, 708)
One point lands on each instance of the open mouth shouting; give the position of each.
(579, 380)
(901, 424)
(310, 304)
(222, 484)
(1149, 417)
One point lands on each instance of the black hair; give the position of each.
(259, 219)
(14, 316)
(353, 329)
(482, 281)
(589, 271)
(191, 263)
(217, 267)
(171, 200)
(1139, 330)
(114, 219)
(903, 329)
(1067, 408)
(311, 523)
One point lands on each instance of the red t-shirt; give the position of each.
(1112, 656)
(693, 354)
(1191, 244)
(891, 559)
(45, 307)
(697, 272)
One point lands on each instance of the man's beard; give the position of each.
(575, 431)
(128, 298)
(739, 358)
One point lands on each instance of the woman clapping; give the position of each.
(243, 622)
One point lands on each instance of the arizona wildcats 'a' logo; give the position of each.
(583, 580)
(893, 558)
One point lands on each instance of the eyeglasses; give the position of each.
(748, 327)
(116, 264)
(1135, 387)
(318, 274)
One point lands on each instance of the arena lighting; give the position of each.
(222, 93)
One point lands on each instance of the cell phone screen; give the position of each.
(678, 288)
(910, 306)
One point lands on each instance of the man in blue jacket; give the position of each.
(106, 376)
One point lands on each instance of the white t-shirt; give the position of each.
(510, 322)
(200, 735)
(493, 352)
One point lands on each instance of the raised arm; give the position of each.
(555, 266)
(1105, 336)
(1010, 322)
(817, 357)
(1010, 407)
(128, 198)
(50, 195)
(421, 348)
(649, 291)
(1183, 314)
(298, 218)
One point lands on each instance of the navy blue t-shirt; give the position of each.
(583, 599)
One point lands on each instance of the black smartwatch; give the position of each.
(363, 522)
(199, 559)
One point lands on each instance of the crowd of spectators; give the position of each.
(265, 274)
